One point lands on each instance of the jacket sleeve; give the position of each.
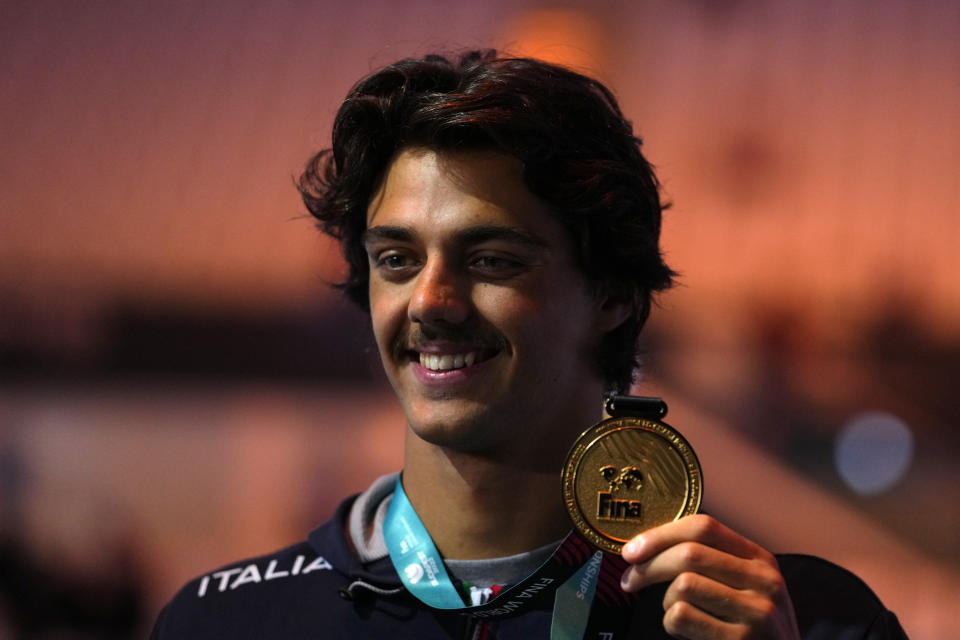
(886, 626)
(157, 632)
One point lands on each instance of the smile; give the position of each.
(448, 361)
(451, 361)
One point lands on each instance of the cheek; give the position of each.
(561, 325)
(386, 316)
(534, 325)
(509, 310)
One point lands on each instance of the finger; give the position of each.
(718, 600)
(685, 621)
(696, 528)
(694, 557)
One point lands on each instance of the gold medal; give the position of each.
(625, 475)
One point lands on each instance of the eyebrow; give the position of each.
(484, 233)
(468, 236)
(400, 234)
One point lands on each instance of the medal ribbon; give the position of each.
(415, 557)
(421, 569)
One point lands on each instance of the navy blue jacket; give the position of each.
(319, 589)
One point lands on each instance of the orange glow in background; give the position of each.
(810, 151)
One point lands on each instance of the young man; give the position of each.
(502, 228)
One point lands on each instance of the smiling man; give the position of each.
(502, 228)
(483, 320)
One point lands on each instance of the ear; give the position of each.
(612, 309)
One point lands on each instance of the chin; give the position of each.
(457, 429)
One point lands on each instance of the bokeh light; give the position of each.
(873, 452)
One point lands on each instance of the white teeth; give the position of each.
(447, 362)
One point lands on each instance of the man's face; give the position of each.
(484, 323)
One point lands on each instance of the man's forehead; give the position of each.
(475, 234)
(480, 172)
(474, 195)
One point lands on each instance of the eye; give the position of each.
(393, 264)
(493, 262)
(497, 265)
(393, 261)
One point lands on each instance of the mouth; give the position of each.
(452, 361)
(447, 357)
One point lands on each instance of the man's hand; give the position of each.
(721, 584)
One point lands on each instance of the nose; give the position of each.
(440, 296)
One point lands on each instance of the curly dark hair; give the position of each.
(578, 151)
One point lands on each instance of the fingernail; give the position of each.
(625, 580)
(634, 546)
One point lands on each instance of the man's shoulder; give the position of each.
(252, 597)
(262, 572)
(832, 602)
(814, 581)
(236, 595)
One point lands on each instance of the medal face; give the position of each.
(626, 475)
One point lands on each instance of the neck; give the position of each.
(484, 506)
(475, 508)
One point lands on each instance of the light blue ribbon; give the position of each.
(415, 557)
(423, 573)
(571, 608)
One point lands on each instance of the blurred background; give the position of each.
(181, 388)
